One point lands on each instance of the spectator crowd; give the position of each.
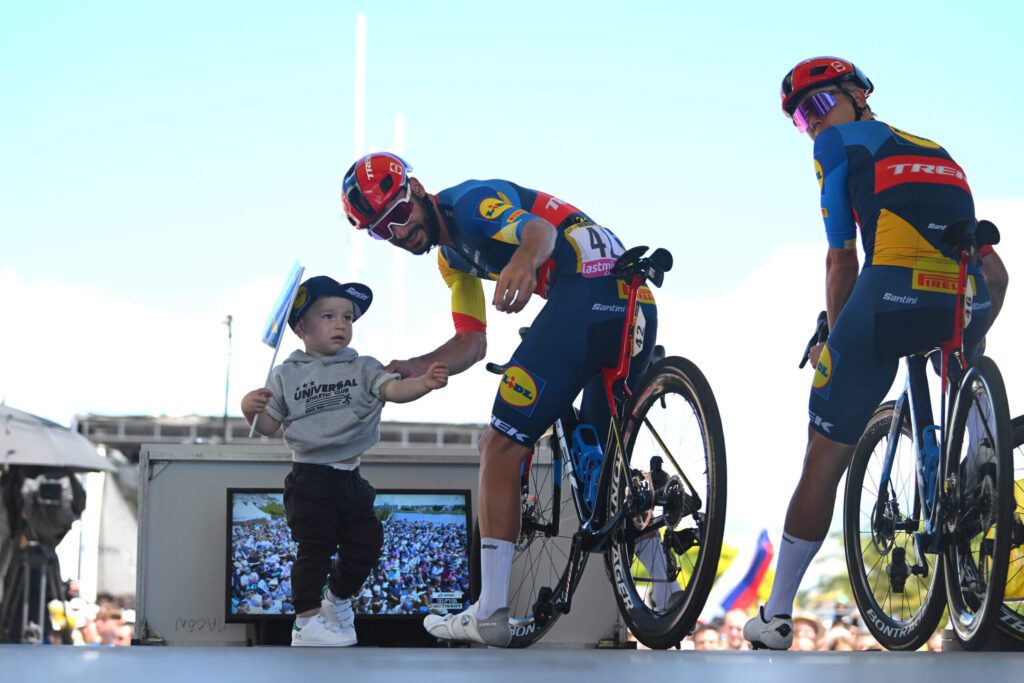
(422, 564)
(843, 632)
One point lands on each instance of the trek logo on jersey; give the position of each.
(520, 389)
(819, 174)
(898, 170)
(492, 207)
(913, 139)
(823, 372)
(514, 216)
(643, 295)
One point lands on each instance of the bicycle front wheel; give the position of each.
(899, 594)
(978, 479)
(1011, 616)
(663, 558)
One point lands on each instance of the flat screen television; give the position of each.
(424, 563)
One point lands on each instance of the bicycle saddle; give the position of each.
(964, 234)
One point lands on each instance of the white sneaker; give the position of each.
(339, 613)
(466, 627)
(318, 632)
(775, 634)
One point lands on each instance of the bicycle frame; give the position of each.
(594, 532)
(915, 402)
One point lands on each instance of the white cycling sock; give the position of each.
(652, 556)
(495, 567)
(795, 557)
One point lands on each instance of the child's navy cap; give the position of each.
(321, 285)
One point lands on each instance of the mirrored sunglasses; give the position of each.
(395, 215)
(819, 104)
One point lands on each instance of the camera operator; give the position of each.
(40, 504)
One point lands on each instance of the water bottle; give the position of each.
(587, 455)
(932, 454)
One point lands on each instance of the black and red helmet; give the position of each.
(371, 185)
(816, 73)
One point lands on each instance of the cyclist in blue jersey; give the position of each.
(902, 191)
(528, 242)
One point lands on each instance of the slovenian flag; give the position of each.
(744, 595)
(278, 319)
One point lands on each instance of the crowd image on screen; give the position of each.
(423, 562)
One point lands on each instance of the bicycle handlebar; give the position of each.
(820, 335)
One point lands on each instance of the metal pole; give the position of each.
(227, 381)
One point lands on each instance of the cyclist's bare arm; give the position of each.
(459, 353)
(412, 388)
(997, 279)
(841, 267)
(518, 279)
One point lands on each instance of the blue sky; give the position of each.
(161, 166)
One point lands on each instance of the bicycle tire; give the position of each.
(673, 395)
(900, 617)
(538, 561)
(1011, 616)
(978, 514)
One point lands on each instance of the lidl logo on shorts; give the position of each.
(520, 389)
(492, 207)
(823, 373)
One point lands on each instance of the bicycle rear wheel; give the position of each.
(541, 556)
(1011, 616)
(901, 608)
(663, 558)
(978, 478)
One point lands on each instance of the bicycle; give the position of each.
(915, 489)
(1011, 616)
(622, 510)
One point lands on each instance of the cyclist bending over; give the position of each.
(528, 242)
(902, 190)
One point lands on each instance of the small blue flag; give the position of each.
(274, 328)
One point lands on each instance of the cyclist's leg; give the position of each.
(848, 384)
(546, 372)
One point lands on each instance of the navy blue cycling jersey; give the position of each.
(485, 218)
(901, 189)
(576, 333)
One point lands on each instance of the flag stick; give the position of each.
(283, 320)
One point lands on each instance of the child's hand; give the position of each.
(256, 401)
(436, 376)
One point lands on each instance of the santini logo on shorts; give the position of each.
(897, 170)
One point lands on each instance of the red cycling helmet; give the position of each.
(371, 186)
(815, 73)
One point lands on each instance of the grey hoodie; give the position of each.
(329, 407)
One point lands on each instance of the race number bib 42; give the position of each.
(596, 248)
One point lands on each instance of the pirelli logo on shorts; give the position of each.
(897, 170)
(644, 295)
(944, 283)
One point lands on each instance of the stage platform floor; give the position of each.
(27, 663)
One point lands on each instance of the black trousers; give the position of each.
(330, 511)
